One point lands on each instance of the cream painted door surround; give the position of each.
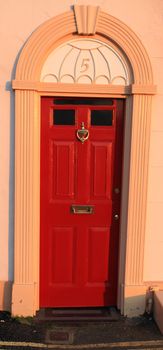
(83, 37)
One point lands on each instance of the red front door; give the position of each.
(80, 201)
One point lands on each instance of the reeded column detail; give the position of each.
(138, 189)
(27, 160)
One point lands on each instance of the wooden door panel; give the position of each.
(98, 251)
(61, 158)
(101, 169)
(79, 252)
(61, 256)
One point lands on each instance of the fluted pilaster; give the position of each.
(27, 160)
(138, 189)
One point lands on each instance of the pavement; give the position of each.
(121, 333)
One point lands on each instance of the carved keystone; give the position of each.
(86, 18)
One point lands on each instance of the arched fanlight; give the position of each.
(85, 61)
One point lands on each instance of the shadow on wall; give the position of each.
(11, 183)
(5, 295)
(7, 286)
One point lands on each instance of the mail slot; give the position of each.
(82, 209)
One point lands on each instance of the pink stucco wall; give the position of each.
(18, 19)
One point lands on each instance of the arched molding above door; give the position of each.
(50, 34)
(28, 89)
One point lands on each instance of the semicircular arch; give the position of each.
(45, 39)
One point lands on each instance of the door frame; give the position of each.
(138, 95)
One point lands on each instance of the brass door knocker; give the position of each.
(82, 134)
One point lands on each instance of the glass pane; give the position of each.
(63, 117)
(101, 117)
(84, 101)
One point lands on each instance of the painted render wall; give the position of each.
(18, 19)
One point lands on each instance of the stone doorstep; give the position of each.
(158, 309)
(85, 314)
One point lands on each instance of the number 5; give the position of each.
(84, 65)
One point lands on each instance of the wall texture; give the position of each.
(18, 19)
